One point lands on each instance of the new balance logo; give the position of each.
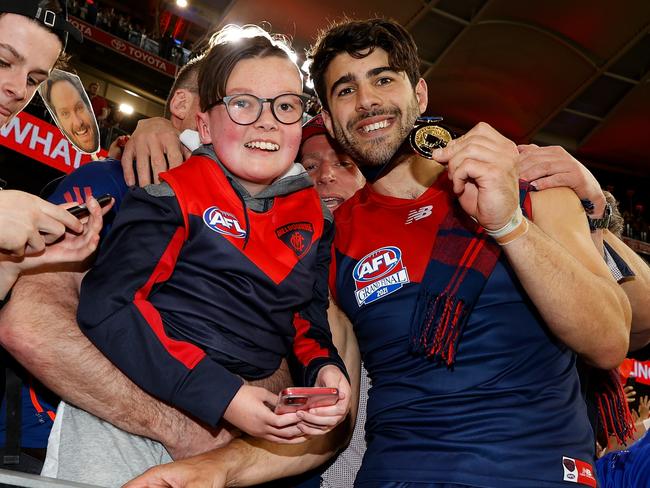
(420, 213)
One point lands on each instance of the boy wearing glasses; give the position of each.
(221, 271)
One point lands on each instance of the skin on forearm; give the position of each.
(8, 276)
(247, 461)
(637, 290)
(47, 341)
(567, 279)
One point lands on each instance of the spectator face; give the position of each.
(335, 174)
(264, 150)
(74, 116)
(92, 89)
(27, 54)
(372, 108)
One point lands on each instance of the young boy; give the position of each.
(221, 271)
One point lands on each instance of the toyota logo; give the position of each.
(118, 44)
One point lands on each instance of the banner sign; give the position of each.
(43, 142)
(123, 47)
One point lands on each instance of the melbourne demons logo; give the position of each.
(297, 235)
(378, 274)
(223, 222)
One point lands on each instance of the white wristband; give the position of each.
(513, 223)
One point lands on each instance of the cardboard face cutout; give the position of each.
(68, 103)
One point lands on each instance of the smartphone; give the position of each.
(81, 211)
(303, 398)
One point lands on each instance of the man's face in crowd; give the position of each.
(335, 174)
(372, 108)
(92, 89)
(75, 119)
(27, 54)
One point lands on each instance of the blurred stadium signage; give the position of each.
(123, 47)
(43, 142)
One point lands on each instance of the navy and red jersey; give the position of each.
(193, 289)
(509, 413)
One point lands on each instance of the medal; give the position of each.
(428, 135)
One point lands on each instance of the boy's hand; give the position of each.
(320, 420)
(250, 411)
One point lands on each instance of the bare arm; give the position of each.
(46, 340)
(247, 461)
(568, 281)
(555, 261)
(637, 290)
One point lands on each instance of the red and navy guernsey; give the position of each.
(199, 284)
(508, 413)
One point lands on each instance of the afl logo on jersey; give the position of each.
(379, 274)
(223, 222)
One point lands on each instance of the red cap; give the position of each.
(313, 127)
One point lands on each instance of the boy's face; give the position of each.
(372, 108)
(238, 146)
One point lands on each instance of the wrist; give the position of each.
(515, 228)
(602, 222)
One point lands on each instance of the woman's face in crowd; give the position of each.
(335, 175)
(261, 152)
(28, 52)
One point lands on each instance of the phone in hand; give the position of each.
(81, 211)
(303, 398)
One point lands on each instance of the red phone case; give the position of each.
(304, 398)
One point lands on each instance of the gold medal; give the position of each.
(424, 138)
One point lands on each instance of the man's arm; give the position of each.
(553, 166)
(637, 289)
(247, 461)
(46, 340)
(568, 280)
(555, 261)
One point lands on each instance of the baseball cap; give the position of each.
(57, 22)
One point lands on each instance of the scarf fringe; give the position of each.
(614, 413)
(436, 336)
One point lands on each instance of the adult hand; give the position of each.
(482, 168)
(29, 223)
(553, 166)
(197, 472)
(320, 420)
(155, 147)
(70, 247)
(250, 411)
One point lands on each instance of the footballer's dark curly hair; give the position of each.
(359, 38)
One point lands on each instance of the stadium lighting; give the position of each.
(125, 108)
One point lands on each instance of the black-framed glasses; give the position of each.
(245, 109)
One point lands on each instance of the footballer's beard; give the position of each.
(380, 150)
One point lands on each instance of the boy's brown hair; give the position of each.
(229, 46)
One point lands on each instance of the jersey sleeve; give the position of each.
(313, 347)
(96, 178)
(117, 314)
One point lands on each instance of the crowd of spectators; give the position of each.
(130, 29)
